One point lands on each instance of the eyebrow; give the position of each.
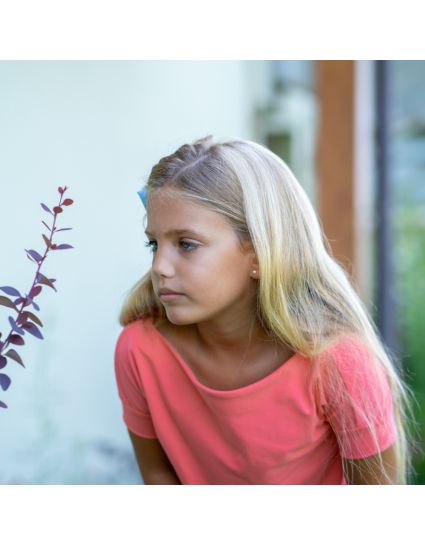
(177, 232)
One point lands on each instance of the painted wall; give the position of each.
(97, 127)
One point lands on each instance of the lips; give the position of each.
(168, 298)
(164, 291)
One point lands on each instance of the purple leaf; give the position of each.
(64, 229)
(3, 405)
(35, 255)
(3, 362)
(14, 356)
(33, 329)
(46, 240)
(39, 275)
(16, 339)
(27, 314)
(46, 225)
(10, 291)
(35, 291)
(4, 381)
(6, 302)
(46, 208)
(43, 280)
(14, 326)
(63, 247)
(35, 306)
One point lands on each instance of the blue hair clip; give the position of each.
(143, 194)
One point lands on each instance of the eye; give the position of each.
(188, 246)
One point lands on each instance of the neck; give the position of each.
(230, 338)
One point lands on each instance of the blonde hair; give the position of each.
(304, 296)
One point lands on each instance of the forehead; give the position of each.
(169, 213)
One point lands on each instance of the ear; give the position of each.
(255, 267)
(248, 248)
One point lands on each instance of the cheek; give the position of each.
(212, 272)
(219, 284)
(215, 275)
(219, 262)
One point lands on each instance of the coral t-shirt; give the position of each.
(272, 431)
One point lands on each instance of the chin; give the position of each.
(178, 318)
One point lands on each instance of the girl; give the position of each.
(246, 355)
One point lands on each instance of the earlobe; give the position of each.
(248, 246)
(255, 269)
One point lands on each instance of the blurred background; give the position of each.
(353, 132)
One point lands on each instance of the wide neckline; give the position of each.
(224, 393)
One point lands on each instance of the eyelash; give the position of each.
(194, 246)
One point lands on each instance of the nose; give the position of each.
(161, 265)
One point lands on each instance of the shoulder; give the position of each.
(350, 355)
(135, 337)
(354, 369)
(348, 364)
(135, 330)
(136, 351)
(348, 345)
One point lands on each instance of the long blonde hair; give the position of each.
(305, 298)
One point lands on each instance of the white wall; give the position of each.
(97, 127)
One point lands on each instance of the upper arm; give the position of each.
(358, 404)
(154, 465)
(128, 361)
(151, 458)
(370, 471)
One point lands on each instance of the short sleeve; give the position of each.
(136, 413)
(355, 371)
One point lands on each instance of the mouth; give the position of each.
(170, 296)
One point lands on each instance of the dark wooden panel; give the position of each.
(335, 157)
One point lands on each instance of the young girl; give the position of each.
(246, 355)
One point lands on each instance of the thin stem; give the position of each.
(7, 342)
